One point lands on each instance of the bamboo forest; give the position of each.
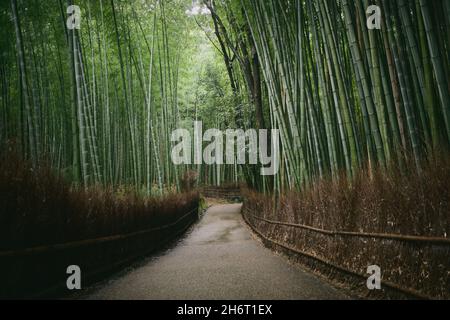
(357, 92)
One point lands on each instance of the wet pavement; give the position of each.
(217, 259)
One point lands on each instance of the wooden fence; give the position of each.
(41, 271)
(261, 226)
(232, 194)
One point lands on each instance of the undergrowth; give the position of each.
(39, 207)
(396, 201)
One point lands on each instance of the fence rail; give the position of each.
(393, 286)
(397, 237)
(228, 193)
(21, 270)
(82, 243)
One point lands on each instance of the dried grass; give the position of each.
(390, 201)
(38, 207)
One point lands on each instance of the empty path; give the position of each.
(217, 259)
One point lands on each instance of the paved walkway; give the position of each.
(218, 259)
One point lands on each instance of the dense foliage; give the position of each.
(343, 96)
(101, 102)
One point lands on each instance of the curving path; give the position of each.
(217, 259)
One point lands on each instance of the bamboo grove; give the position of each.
(100, 101)
(344, 97)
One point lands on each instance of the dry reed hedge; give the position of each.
(393, 203)
(38, 207)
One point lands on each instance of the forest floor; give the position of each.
(218, 259)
